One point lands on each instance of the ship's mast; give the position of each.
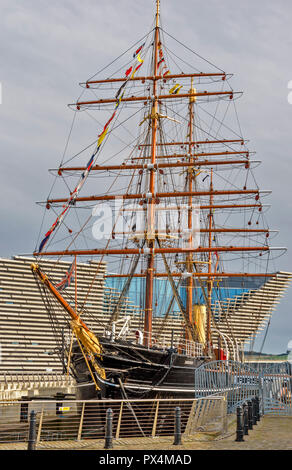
(210, 279)
(189, 257)
(151, 204)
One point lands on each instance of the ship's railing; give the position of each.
(183, 346)
(84, 422)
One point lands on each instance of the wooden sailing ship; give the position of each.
(178, 230)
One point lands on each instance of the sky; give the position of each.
(47, 48)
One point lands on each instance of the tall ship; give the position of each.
(157, 183)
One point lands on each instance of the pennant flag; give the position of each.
(175, 89)
(73, 195)
(127, 73)
(119, 101)
(121, 87)
(166, 73)
(89, 164)
(102, 136)
(137, 68)
(88, 167)
(44, 241)
(69, 277)
(138, 50)
(48, 234)
(108, 122)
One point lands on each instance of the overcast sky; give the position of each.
(47, 48)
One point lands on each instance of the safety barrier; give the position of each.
(79, 420)
(241, 382)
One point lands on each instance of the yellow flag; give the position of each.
(139, 59)
(175, 89)
(102, 136)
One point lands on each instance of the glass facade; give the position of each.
(227, 288)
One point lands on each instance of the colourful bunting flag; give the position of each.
(102, 136)
(175, 89)
(84, 175)
(138, 50)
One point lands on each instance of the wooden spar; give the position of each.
(178, 207)
(225, 206)
(198, 142)
(198, 274)
(35, 268)
(83, 334)
(157, 166)
(158, 195)
(156, 78)
(157, 98)
(134, 251)
(202, 230)
(196, 155)
(189, 256)
(147, 337)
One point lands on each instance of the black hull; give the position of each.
(133, 371)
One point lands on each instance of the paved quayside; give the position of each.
(271, 433)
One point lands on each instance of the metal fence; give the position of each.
(79, 420)
(276, 386)
(241, 382)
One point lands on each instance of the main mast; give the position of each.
(151, 208)
(189, 257)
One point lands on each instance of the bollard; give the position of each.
(254, 415)
(177, 427)
(245, 419)
(250, 419)
(239, 426)
(32, 431)
(258, 408)
(109, 429)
